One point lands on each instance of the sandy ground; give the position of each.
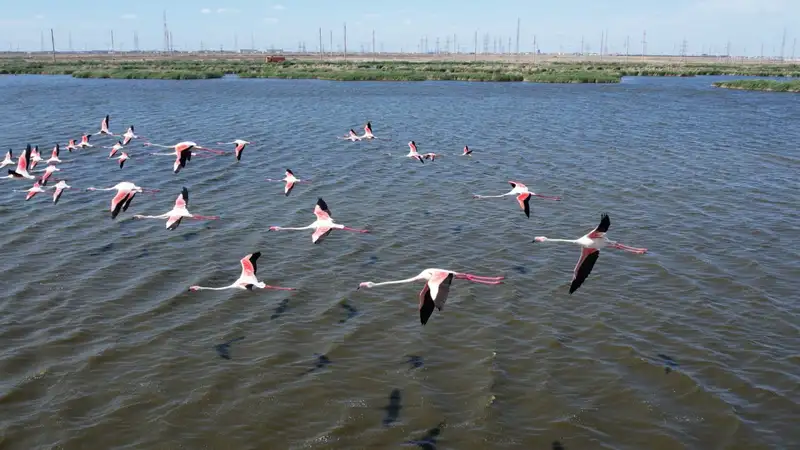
(411, 57)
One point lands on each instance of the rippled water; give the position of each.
(692, 345)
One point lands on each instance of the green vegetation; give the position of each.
(549, 72)
(761, 85)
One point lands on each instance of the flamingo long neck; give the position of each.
(308, 227)
(571, 241)
(497, 196)
(407, 280)
(204, 288)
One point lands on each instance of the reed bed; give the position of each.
(555, 72)
(761, 85)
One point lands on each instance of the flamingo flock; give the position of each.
(437, 282)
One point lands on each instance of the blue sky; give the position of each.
(707, 25)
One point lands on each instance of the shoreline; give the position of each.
(554, 71)
(762, 85)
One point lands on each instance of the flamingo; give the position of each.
(591, 243)
(290, 180)
(9, 160)
(352, 136)
(523, 196)
(104, 126)
(431, 156)
(125, 193)
(71, 145)
(128, 136)
(412, 152)
(48, 171)
(367, 132)
(33, 190)
(467, 151)
(54, 156)
(85, 141)
(178, 212)
(59, 189)
(115, 148)
(36, 157)
(436, 289)
(122, 158)
(247, 280)
(22, 165)
(183, 152)
(240, 145)
(323, 225)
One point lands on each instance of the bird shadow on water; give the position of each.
(669, 363)
(393, 408)
(428, 441)
(322, 362)
(224, 349)
(280, 309)
(415, 361)
(350, 310)
(557, 446)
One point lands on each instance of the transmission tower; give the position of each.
(516, 47)
(783, 44)
(70, 41)
(486, 43)
(644, 43)
(166, 34)
(683, 50)
(136, 40)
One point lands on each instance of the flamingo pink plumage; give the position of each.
(322, 226)
(247, 280)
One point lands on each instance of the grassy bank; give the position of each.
(761, 85)
(554, 72)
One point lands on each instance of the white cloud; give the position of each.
(129, 16)
(205, 11)
(278, 7)
(270, 20)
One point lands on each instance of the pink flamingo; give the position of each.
(352, 136)
(523, 196)
(240, 145)
(323, 225)
(9, 159)
(122, 158)
(436, 289)
(367, 132)
(247, 280)
(125, 193)
(115, 148)
(59, 189)
(591, 243)
(467, 151)
(183, 152)
(54, 156)
(33, 190)
(48, 171)
(290, 180)
(178, 212)
(128, 136)
(71, 145)
(412, 151)
(36, 157)
(22, 165)
(85, 141)
(104, 126)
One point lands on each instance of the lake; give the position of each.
(693, 345)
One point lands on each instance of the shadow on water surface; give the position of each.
(428, 441)
(322, 362)
(280, 309)
(393, 408)
(224, 349)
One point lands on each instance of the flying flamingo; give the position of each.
(247, 280)
(367, 132)
(431, 156)
(104, 126)
(412, 152)
(22, 166)
(437, 286)
(85, 141)
(33, 190)
(523, 196)
(178, 212)
(48, 171)
(115, 148)
(290, 181)
(125, 193)
(36, 157)
(71, 145)
(54, 156)
(59, 189)
(9, 160)
(122, 158)
(128, 136)
(591, 243)
(240, 145)
(352, 136)
(467, 151)
(183, 152)
(323, 225)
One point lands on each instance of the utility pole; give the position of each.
(475, 56)
(761, 57)
(166, 34)
(602, 36)
(582, 54)
(516, 50)
(683, 50)
(112, 42)
(235, 42)
(644, 43)
(320, 43)
(171, 43)
(794, 44)
(783, 44)
(53, 43)
(728, 50)
(136, 40)
(627, 47)
(373, 44)
(535, 49)
(331, 42)
(345, 42)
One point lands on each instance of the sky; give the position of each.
(558, 26)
